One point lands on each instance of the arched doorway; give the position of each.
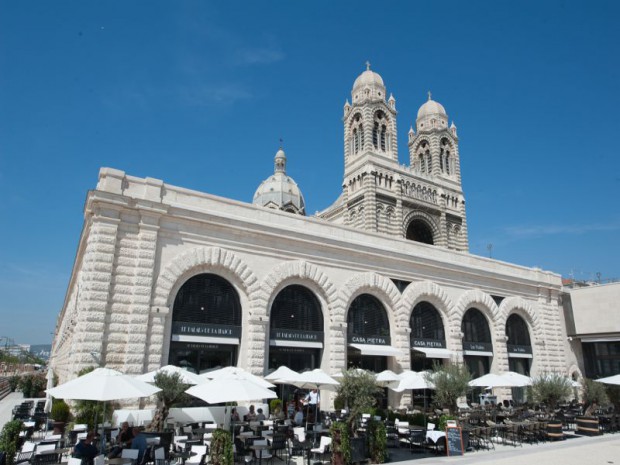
(206, 324)
(368, 334)
(519, 345)
(296, 330)
(419, 231)
(477, 343)
(428, 339)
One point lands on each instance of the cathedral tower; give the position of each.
(422, 202)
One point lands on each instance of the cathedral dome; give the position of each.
(280, 191)
(368, 85)
(431, 115)
(431, 107)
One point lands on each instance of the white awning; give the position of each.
(205, 339)
(286, 343)
(370, 349)
(599, 339)
(513, 355)
(478, 353)
(432, 352)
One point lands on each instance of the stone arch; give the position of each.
(203, 259)
(421, 215)
(428, 291)
(369, 283)
(476, 298)
(303, 271)
(574, 370)
(522, 308)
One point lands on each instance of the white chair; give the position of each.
(53, 437)
(43, 447)
(323, 448)
(430, 426)
(179, 442)
(200, 452)
(130, 454)
(74, 461)
(80, 427)
(99, 460)
(159, 455)
(262, 454)
(81, 436)
(113, 436)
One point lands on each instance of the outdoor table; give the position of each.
(118, 461)
(258, 448)
(184, 455)
(62, 451)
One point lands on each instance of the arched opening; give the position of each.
(428, 339)
(477, 343)
(296, 330)
(519, 345)
(368, 331)
(419, 231)
(206, 324)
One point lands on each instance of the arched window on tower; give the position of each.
(424, 158)
(375, 135)
(383, 130)
(357, 134)
(444, 156)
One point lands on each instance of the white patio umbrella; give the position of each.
(355, 370)
(229, 388)
(186, 377)
(615, 379)
(490, 380)
(103, 384)
(227, 371)
(411, 380)
(316, 379)
(386, 378)
(282, 375)
(516, 379)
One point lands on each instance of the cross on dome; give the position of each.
(429, 95)
(367, 65)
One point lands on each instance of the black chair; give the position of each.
(417, 440)
(278, 445)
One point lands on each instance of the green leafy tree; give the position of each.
(172, 393)
(221, 451)
(451, 382)
(359, 392)
(9, 437)
(60, 411)
(550, 389)
(594, 393)
(341, 445)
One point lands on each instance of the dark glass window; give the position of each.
(296, 307)
(426, 322)
(517, 332)
(207, 299)
(601, 359)
(367, 317)
(475, 327)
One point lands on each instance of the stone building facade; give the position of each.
(381, 279)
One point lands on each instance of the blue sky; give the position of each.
(199, 93)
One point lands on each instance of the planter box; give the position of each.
(588, 426)
(359, 449)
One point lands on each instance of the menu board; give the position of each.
(454, 441)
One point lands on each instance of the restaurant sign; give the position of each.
(375, 340)
(199, 329)
(517, 349)
(427, 343)
(478, 346)
(296, 335)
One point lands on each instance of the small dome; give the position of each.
(368, 86)
(280, 191)
(431, 107)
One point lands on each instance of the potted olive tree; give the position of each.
(60, 415)
(359, 392)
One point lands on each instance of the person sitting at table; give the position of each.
(124, 438)
(234, 415)
(139, 442)
(260, 416)
(251, 415)
(86, 449)
(298, 419)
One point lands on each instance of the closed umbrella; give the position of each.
(185, 376)
(48, 398)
